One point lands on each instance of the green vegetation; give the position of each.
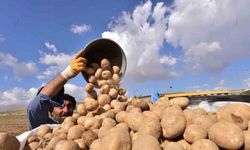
(247, 92)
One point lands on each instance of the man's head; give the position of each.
(67, 109)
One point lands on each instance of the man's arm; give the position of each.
(54, 86)
(77, 65)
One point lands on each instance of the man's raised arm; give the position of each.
(77, 65)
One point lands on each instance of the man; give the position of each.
(51, 105)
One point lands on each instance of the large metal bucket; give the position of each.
(101, 48)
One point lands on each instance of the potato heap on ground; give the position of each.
(106, 120)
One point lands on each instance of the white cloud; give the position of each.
(141, 35)
(168, 60)
(51, 47)
(75, 91)
(79, 29)
(16, 98)
(221, 85)
(211, 33)
(20, 69)
(55, 63)
(2, 39)
(19, 97)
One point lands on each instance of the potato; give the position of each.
(43, 129)
(173, 146)
(75, 132)
(92, 79)
(118, 106)
(92, 94)
(66, 125)
(100, 83)
(107, 124)
(106, 74)
(104, 89)
(184, 144)
(140, 103)
(67, 145)
(226, 134)
(159, 107)
(150, 126)
(98, 74)
(181, 101)
(33, 138)
(116, 78)
(104, 99)
(89, 71)
(122, 91)
(88, 137)
(96, 145)
(8, 142)
(204, 144)
(81, 120)
(70, 119)
(194, 132)
(121, 116)
(164, 143)
(90, 104)
(113, 93)
(92, 123)
(89, 87)
(200, 111)
(116, 69)
(81, 144)
(123, 125)
(204, 121)
(76, 115)
(191, 114)
(246, 139)
(105, 64)
(173, 125)
(134, 120)
(111, 83)
(118, 138)
(234, 113)
(146, 142)
(52, 143)
(122, 98)
(108, 114)
(106, 107)
(151, 115)
(48, 136)
(81, 109)
(31, 146)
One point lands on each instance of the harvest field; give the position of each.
(14, 122)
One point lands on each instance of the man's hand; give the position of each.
(78, 64)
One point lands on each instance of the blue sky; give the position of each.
(189, 45)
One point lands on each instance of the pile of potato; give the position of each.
(106, 120)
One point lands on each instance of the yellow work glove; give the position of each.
(78, 64)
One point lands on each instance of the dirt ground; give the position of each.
(14, 122)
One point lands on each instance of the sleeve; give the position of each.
(38, 111)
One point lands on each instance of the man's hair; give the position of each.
(70, 98)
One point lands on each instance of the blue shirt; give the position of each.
(38, 111)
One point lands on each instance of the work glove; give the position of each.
(78, 64)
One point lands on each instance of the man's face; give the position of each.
(60, 113)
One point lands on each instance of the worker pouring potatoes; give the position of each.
(51, 105)
(102, 63)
